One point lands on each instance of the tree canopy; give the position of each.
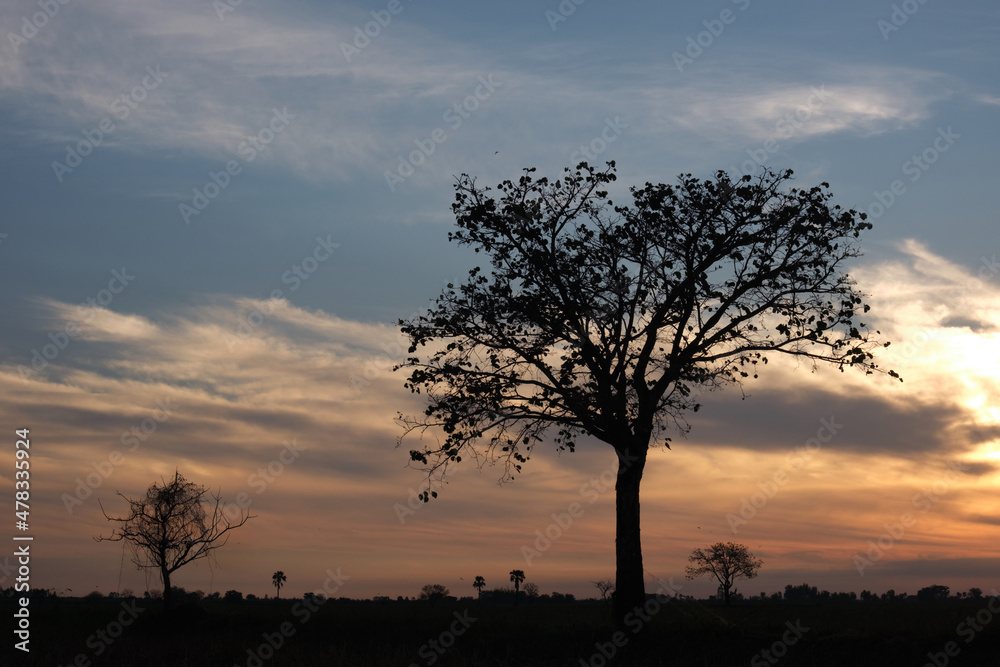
(606, 320)
(727, 562)
(176, 522)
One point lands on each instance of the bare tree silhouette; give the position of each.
(278, 580)
(609, 320)
(175, 523)
(606, 587)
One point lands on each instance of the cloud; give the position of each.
(746, 106)
(224, 78)
(248, 379)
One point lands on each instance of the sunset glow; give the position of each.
(249, 344)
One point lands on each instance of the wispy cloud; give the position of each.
(247, 377)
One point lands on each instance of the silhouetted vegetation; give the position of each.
(608, 320)
(727, 562)
(434, 592)
(175, 523)
(838, 629)
(278, 579)
(516, 577)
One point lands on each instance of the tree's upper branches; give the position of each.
(173, 524)
(602, 319)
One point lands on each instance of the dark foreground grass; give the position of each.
(369, 634)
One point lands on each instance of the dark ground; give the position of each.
(66, 632)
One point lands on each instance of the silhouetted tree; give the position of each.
(433, 592)
(607, 320)
(727, 562)
(516, 576)
(530, 590)
(606, 587)
(975, 593)
(175, 523)
(233, 596)
(278, 579)
(479, 584)
(935, 592)
(801, 593)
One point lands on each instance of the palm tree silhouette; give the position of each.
(478, 584)
(517, 576)
(278, 579)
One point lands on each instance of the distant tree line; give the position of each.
(529, 593)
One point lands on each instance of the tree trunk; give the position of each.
(630, 590)
(167, 593)
(725, 594)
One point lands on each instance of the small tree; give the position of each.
(278, 579)
(531, 590)
(479, 584)
(175, 523)
(606, 587)
(975, 593)
(433, 592)
(727, 562)
(516, 576)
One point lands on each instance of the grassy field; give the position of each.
(76, 632)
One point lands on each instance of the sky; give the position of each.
(215, 212)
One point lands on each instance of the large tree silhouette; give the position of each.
(606, 320)
(175, 523)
